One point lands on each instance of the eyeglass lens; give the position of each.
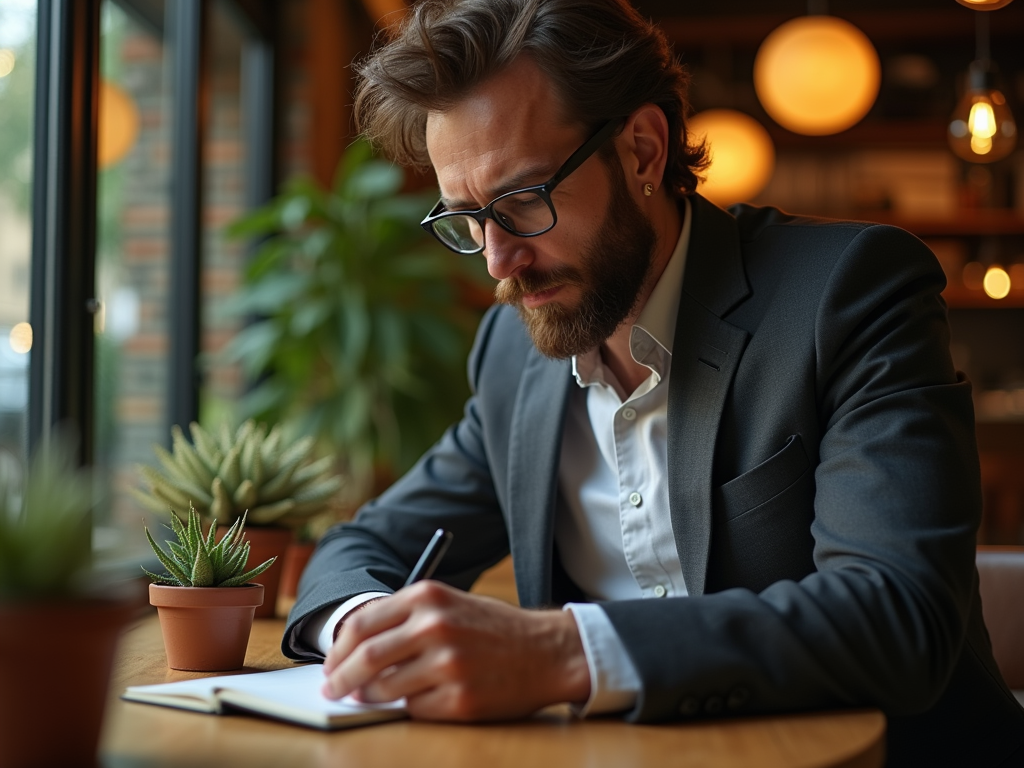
(521, 213)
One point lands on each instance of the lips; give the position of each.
(534, 300)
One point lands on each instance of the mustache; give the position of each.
(511, 290)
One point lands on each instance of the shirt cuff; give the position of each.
(317, 632)
(614, 682)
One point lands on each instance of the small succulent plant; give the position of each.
(45, 527)
(195, 561)
(248, 470)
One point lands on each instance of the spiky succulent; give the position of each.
(250, 469)
(195, 561)
(45, 526)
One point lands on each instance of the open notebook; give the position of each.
(291, 694)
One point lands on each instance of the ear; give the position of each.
(643, 147)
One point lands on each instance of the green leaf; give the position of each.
(254, 346)
(245, 578)
(309, 316)
(355, 329)
(357, 153)
(294, 212)
(375, 179)
(261, 221)
(167, 562)
(202, 569)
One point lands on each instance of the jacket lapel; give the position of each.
(535, 446)
(705, 356)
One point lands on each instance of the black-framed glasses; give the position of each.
(525, 212)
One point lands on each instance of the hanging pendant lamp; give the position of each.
(742, 155)
(817, 75)
(982, 128)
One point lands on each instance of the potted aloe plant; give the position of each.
(59, 621)
(277, 483)
(206, 599)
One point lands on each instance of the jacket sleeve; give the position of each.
(896, 503)
(449, 487)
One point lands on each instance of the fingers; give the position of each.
(381, 636)
(406, 680)
(371, 659)
(361, 624)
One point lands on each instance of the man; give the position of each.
(732, 445)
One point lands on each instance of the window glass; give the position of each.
(132, 261)
(17, 88)
(224, 198)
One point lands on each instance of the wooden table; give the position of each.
(145, 736)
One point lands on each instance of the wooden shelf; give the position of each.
(965, 223)
(688, 28)
(959, 297)
(917, 134)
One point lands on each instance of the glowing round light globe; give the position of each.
(997, 283)
(742, 155)
(985, 5)
(817, 75)
(119, 124)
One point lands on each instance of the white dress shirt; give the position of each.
(612, 525)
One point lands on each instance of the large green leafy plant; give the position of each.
(357, 329)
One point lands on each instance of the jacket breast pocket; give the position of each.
(761, 530)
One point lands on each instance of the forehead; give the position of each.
(511, 123)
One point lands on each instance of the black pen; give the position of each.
(431, 557)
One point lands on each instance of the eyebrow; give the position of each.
(509, 184)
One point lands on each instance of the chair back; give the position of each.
(1001, 574)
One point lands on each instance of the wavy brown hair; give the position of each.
(604, 59)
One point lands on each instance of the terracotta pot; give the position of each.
(206, 629)
(265, 543)
(296, 557)
(49, 651)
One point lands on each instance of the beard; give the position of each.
(615, 266)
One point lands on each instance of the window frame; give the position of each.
(62, 301)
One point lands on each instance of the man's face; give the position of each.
(575, 284)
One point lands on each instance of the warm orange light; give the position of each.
(20, 338)
(817, 75)
(7, 59)
(742, 155)
(997, 283)
(985, 5)
(119, 124)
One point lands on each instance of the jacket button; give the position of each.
(737, 698)
(689, 706)
(713, 705)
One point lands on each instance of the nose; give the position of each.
(506, 253)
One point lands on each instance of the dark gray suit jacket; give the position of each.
(823, 484)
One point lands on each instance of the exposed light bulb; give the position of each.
(982, 129)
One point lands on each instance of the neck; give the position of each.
(666, 218)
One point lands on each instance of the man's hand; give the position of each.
(456, 656)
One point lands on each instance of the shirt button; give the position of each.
(660, 591)
(628, 414)
(635, 499)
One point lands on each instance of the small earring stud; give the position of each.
(648, 189)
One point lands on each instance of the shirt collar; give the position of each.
(657, 319)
